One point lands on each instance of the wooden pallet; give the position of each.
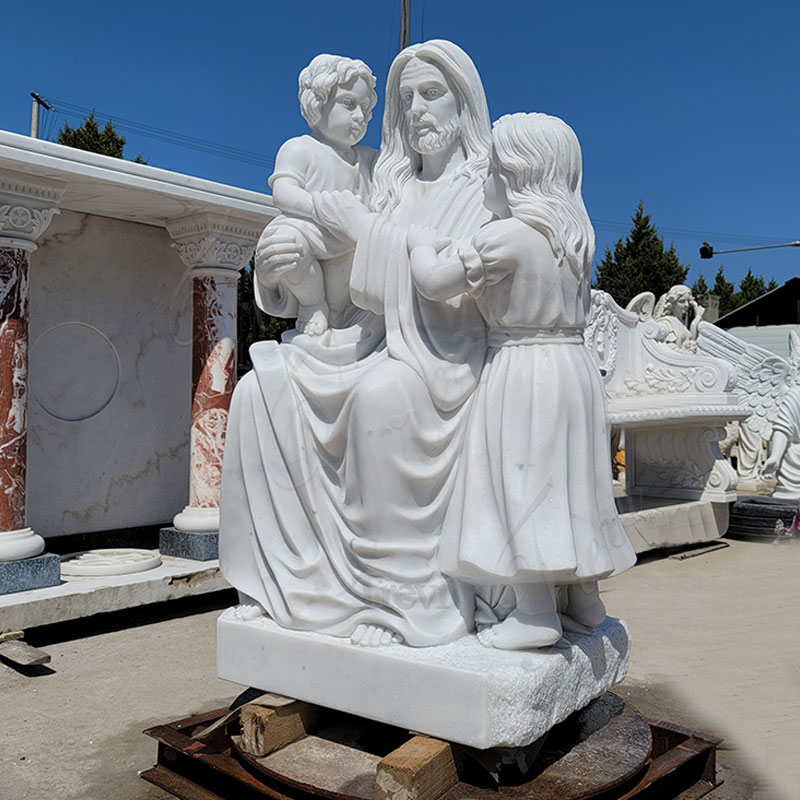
(346, 758)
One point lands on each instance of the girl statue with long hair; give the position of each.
(532, 507)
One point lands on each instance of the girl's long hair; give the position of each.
(397, 162)
(540, 159)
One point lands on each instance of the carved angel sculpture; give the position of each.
(763, 379)
(784, 457)
(671, 309)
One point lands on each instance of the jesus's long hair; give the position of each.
(540, 160)
(397, 162)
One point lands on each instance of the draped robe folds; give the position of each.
(341, 449)
(788, 423)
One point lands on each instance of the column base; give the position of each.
(22, 543)
(30, 573)
(196, 546)
(197, 520)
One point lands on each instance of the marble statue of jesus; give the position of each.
(341, 448)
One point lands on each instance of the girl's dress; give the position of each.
(533, 498)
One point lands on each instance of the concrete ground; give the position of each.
(716, 645)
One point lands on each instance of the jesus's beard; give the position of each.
(435, 139)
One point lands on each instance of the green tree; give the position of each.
(88, 136)
(700, 286)
(253, 325)
(724, 289)
(639, 263)
(750, 287)
(773, 284)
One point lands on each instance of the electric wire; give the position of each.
(257, 159)
(170, 137)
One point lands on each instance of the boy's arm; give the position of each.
(291, 198)
(438, 278)
(289, 179)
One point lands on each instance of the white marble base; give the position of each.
(461, 692)
(22, 543)
(76, 598)
(197, 520)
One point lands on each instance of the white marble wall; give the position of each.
(110, 376)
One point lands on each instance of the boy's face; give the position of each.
(344, 117)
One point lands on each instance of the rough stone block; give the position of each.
(30, 573)
(186, 544)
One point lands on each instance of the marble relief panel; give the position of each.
(13, 386)
(213, 378)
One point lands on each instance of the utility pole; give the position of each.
(37, 101)
(405, 24)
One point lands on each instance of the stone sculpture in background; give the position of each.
(672, 309)
(784, 456)
(762, 380)
(357, 458)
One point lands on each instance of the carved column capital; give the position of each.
(27, 206)
(214, 244)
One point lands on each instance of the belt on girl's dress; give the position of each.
(518, 335)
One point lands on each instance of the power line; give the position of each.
(258, 159)
(692, 235)
(170, 137)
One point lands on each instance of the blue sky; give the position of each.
(694, 107)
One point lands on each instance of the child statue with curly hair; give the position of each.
(337, 96)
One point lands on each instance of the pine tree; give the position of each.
(700, 287)
(639, 263)
(750, 287)
(88, 136)
(773, 284)
(252, 323)
(724, 289)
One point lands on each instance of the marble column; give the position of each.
(27, 205)
(215, 248)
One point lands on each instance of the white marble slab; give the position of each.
(461, 691)
(75, 598)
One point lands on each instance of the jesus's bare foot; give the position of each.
(520, 631)
(374, 636)
(248, 611)
(313, 319)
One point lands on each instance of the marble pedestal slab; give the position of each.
(461, 692)
(200, 546)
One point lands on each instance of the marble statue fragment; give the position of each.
(763, 380)
(784, 457)
(671, 309)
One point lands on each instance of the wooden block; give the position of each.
(22, 654)
(8, 635)
(266, 729)
(421, 769)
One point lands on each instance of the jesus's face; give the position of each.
(430, 106)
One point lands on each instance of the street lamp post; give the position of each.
(707, 250)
